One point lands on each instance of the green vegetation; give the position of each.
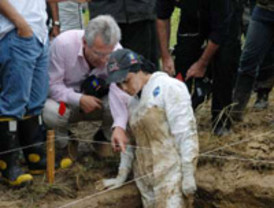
(86, 16)
(174, 26)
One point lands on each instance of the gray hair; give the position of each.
(106, 27)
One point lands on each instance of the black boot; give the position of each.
(32, 132)
(262, 99)
(12, 174)
(242, 93)
(221, 123)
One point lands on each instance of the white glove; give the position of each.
(124, 169)
(188, 185)
(112, 183)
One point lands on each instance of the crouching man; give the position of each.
(77, 71)
(163, 126)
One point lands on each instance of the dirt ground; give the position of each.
(234, 171)
(241, 173)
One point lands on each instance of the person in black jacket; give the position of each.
(136, 18)
(208, 34)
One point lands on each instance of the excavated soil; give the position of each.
(234, 171)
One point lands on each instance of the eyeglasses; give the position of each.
(100, 54)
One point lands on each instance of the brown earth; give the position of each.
(237, 176)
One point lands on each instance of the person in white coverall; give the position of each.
(163, 126)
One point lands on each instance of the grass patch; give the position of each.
(174, 27)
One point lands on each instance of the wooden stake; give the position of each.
(50, 156)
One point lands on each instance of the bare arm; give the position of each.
(198, 69)
(163, 29)
(55, 17)
(209, 52)
(7, 10)
(119, 139)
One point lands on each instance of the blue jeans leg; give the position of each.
(258, 42)
(19, 62)
(40, 84)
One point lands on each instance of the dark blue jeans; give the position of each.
(23, 75)
(259, 39)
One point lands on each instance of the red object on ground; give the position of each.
(62, 108)
(180, 77)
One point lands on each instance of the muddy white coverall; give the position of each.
(164, 128)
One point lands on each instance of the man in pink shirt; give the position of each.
(76, 55)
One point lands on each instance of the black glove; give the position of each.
(94, 86)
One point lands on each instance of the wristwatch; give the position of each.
(56, 23)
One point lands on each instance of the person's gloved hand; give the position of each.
(112, 182)
(188, 185)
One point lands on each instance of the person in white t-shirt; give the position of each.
(24, 87)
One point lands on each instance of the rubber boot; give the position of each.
(242, 93)
(33, 133)
(12, 174)
(221, 128)
(221, 122)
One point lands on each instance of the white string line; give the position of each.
(103, 192)
(202, 155)
(155, 198)
(59, 138)
(134, 146)
(26, 147)
(205, 154)
(238, 142)
(227, 109)
(67, 139)
(148, 148)
(237, 158)
(136, 179)
(108, 190)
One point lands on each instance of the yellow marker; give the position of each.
(50, 156)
